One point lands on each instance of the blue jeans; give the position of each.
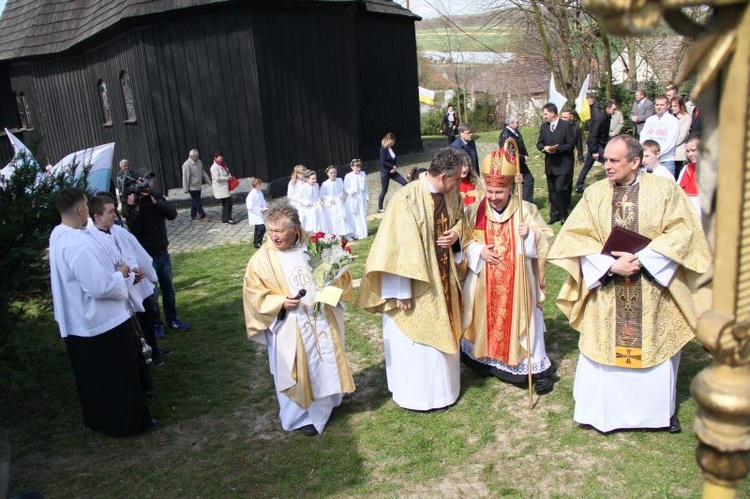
(669, 165)
(196, 205)
(163, 267)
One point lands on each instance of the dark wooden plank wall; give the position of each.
(205, 92)
(388, 83)
(65, 102)
(270, 86)
(308, 87)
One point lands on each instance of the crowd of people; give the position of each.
(457, 270)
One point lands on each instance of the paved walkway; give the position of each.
(187, 235)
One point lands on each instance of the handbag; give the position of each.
(233, 182)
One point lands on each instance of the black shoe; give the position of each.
(163, 352)
(674, 424)
(563, 220)
(579, 191)
(158, 362)
(551, 221)
(308, 430)
(256, 245)
(154, 424)
(544, 385)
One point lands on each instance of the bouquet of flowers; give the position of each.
(329, 258)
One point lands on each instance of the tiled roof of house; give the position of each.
(31, 28)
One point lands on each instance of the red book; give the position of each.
(621, 239)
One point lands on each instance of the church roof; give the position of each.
(30, 28)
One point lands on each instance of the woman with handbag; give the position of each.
(220, 180)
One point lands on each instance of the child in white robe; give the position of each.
(296, 181)
(332, 197)
(355, 185)
(310, 209)
(256, 206)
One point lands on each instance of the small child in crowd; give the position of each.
(332, 197)
(256, 206)
(296, 181)
(651, 152)
(355, 185)
(311, 212)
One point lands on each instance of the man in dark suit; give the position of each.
(466, 142)
(596, 142)
(512, 131)
(556, 141)
(450, 124)
(567, 115)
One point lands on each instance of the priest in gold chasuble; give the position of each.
(410, 277)
(498, 312)
(305, 345)
(634, 311)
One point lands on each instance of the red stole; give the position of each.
(499, 282)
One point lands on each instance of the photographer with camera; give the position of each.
(146, 213)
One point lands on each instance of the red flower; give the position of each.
(343, 242)
(347, 249)
(321, 235)
(314, 238)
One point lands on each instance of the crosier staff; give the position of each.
(511, 151)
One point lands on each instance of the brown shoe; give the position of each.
(205, 219)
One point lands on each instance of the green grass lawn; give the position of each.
(221, 437)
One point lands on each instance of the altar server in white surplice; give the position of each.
(90, 297)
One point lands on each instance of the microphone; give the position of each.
(300, 294)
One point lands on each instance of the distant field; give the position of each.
(469, 38)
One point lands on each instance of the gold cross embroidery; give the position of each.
(625, 212)
(628, 356)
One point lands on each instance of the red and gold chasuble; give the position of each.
(499, 282)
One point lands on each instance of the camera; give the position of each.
(136, 186)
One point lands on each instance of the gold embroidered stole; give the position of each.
(628, 290)
(443, 254)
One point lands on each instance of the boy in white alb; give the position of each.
(651, 153)
(256, 207)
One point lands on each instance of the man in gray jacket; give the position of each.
(193, 177)
(641, 111)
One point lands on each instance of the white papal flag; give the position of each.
(426, 96)
(556, 97)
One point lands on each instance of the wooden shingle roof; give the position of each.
(30, 28)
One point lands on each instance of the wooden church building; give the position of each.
(270, 83)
